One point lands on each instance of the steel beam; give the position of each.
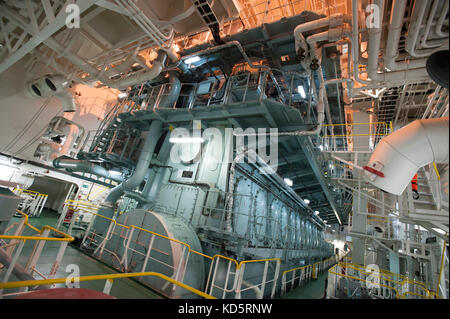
(43, 34)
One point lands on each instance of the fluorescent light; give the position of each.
(307, 201)
(112, 172)
(301, 91)
(328, 225)
(321, 147)
(192, 60)
(317, 212)
(438, 230)
(122, 95)
(288, 181)
(325, 221)
(186, 140)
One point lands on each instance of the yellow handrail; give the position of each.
(385, 273)
(66, 236)
(440, 271)
(363, 280)
(289, 270)
(29, 191)
(256, 260)
(352, 124)
(437, 172)
(26, 283)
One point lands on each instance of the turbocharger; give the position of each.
(52, 85)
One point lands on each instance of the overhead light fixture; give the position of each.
(288, 181)
(301, 91)
(321, 147)
(325, 221)
(192, 60)
(440, 231)
(186, 140)
(114, 172)
(328, 225)
(317, 212)
(307, 201)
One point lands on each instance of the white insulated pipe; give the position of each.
(395, 28)
(431, 15)
(419, 10)
(331, 22)
(94, 74)
(153, 72)
(374, 50)
(355, 44)
(440, 22)
(399, 155)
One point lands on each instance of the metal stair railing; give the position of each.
(305, 273)
(350, 280)
(238, 271)
(108, 284)
(17, 242)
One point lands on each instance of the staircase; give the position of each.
(102, 141)
(113, 141)
(429, 207)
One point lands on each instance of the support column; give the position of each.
(394, 262)
(359, 225)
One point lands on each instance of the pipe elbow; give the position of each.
(397, 157)
(67, 101)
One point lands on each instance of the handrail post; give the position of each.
(18, 232)
(149, 249)
(239, 282)
(36, 253)
(275, 279)
(263, 282)
(13, 264)
(59, 257)
(108, 286)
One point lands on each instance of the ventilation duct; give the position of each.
(399, 155)
(134, 180)
(73, 165)
(52, 85)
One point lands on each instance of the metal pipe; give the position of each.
(171, 98)
(134, 180)
(424, 43)
(374, 50)
(440, 22)
(414, 30)
(153, 72)
(355, 43)
(331, 22)
(85, 167)
(395, 28)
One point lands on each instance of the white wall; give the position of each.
(17, 110)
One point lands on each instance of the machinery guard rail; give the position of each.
(375, 280)
(109, 279)
(41, 237)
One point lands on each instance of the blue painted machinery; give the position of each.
(206, 198)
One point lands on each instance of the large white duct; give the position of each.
(399, 155)
(52, 85)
